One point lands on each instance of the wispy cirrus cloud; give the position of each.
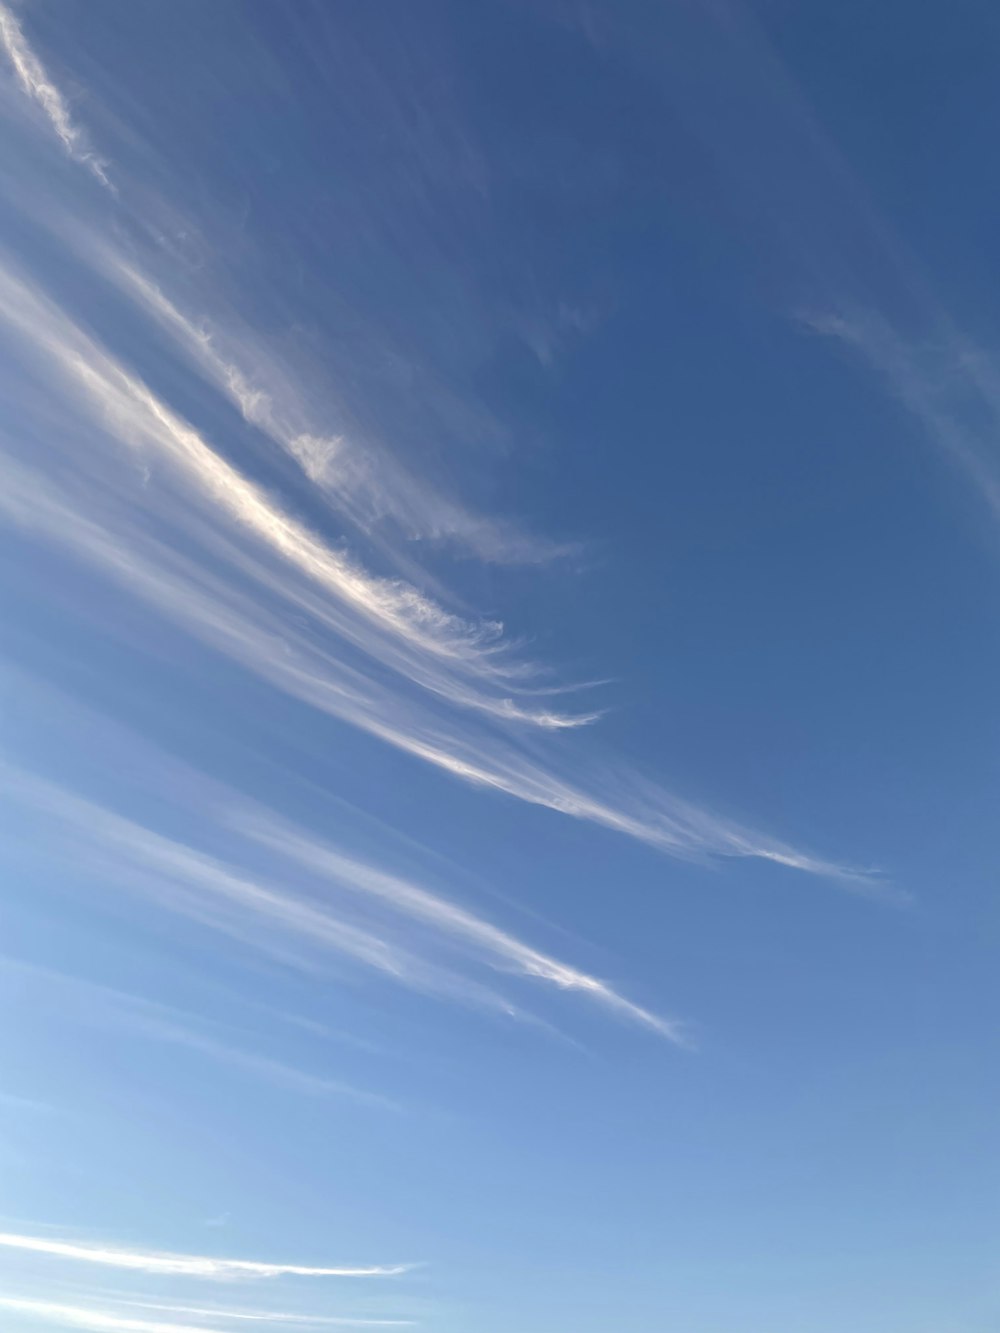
(814, 223)
(499, 948)
(403, 941)
(59, 1315)
(367, 483)
(364, 481)
(948, 384)
(161, 511)
(161, 1263)
(37, 85)
(264, 643)
(387, 619)
(88, 1001)
(277, 1317)
(119, 1320)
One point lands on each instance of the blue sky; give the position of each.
(499, 573)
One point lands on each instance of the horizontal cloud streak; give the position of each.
(113, 1321)
(98, 1321)
(184, 1265)
(272, 1317)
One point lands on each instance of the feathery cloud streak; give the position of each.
(263, 642)
(387, 619)
(37, 85)
(240, 543)
(112, 1321)
(366, 484)
(272, 1317)
(849, 269)
(251, 909)
(184, 1265)
(500, 948)
(97, 1321)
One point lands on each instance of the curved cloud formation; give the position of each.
(158, 509)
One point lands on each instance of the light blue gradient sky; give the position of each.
(499, 591)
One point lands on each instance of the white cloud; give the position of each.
(98, 1321)
(364, 481)
(252, 909)
(114, 1321)
(213, 550)
(138, 417)
(184, 1265)
(497, 946)
(271, 1317)
(388, 619)
(37, 85)
(367, 483)
(243, 628)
